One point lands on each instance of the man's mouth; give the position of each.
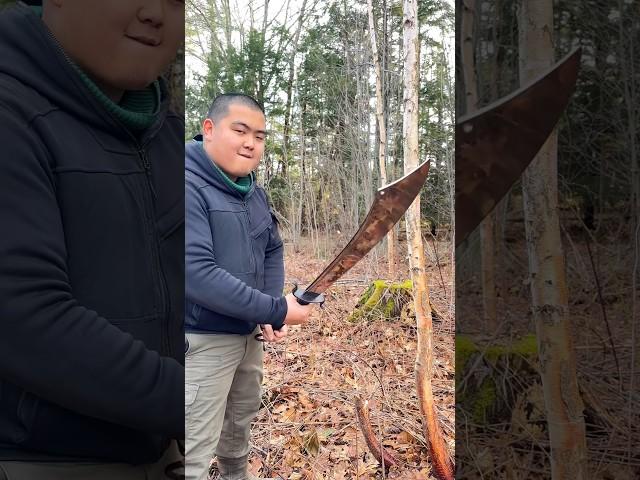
(145, 40)
(246, 156)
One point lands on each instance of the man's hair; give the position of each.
(220, 105)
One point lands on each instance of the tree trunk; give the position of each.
(288, 107)
(487, 228)
(261, 84)
(226, 15)
(442, 465)
(470, 80)
(546, 267)
(382, 129)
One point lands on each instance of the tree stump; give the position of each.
(486, 393)
(480, 372)
(382, 299)
(390, 301)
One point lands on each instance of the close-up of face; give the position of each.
(121, 44)
(236, 141)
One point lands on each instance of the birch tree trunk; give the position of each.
(261, 73)
(468, 59)
(382, 128)
(288, 107)
(546, 267)
(442, 465)
(487, 227)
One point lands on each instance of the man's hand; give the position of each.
(271, 335)
(296, 314)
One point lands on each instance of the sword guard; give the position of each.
(305, 297)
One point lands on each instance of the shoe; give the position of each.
(236, 469)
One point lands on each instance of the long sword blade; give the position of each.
(496, 144)
(387, 208)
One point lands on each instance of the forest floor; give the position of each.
(512, 441)
(308, 429)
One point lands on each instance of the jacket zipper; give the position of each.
(164, 293)
(252, 258)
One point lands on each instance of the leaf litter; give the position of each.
(308, 428)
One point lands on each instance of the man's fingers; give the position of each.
(267, 333)
(271, 335)
(280, 334)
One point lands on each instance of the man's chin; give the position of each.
(129, 81)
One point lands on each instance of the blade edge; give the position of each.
(333, 271)
(497, 131)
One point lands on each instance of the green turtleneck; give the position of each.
(136, 110)
(242, 184)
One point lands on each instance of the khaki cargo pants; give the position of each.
(169, 467)
(222, 397)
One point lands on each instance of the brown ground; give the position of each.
(309, 429)
(514, 444)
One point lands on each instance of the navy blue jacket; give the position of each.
(91, 264)
(233, 253)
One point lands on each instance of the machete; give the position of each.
(495, 144)
(389, 204)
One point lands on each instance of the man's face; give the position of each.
(236, 142)
(121, 44)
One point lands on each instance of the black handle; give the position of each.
(305, 297)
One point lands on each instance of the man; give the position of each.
(91, 250)
(234, 281)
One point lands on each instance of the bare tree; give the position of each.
(549, 296)
(442, 464)
(382, 129)
(487, 227)
(288, 113)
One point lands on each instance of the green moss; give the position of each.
(379, 287)
(389, 308)
(484, 400)
(494, 352)
(464, 349)
(404, 286)
(382, 298)
(526, 347)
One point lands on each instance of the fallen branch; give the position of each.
(384, 458)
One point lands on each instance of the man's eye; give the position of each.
(260, 137)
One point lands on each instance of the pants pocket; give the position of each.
(190, 393)
(17, 412)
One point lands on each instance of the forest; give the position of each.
(514, 355)
(330, 75)
(547, 287)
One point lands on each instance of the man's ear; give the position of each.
(207, 128)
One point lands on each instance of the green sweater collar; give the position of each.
(242, 184)
(136, 110)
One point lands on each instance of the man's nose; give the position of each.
(249, 142)
(152, 12)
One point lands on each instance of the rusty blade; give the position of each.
(496, 144)
(387, 208)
